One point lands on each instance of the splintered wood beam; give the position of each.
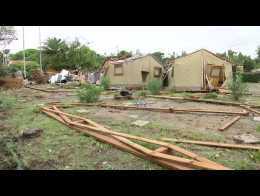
(213, 144)
(227, 125)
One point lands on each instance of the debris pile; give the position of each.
(161, 155)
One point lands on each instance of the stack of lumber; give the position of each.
(161, 155)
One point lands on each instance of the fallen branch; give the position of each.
(213, 144)
(227, 125)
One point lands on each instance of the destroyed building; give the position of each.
(200, 70)
(133, 72)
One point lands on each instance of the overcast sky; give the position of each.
(110, 39)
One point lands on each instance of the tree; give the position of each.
(7, 35)
(54, 53)
(30, 55)
(124, 54)
(59, 54)
(159, 56)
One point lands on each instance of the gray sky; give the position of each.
(147, 39)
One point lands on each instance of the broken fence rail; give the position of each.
(123, 142)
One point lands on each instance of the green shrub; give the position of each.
(237, 87)
(142, 93)
(6, 102)
(19, 66)
(89, 93)
(4, 71)
(251, 77)
(213, 95)
(105, 83)
(154, 86)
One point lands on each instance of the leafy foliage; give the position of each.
(30, 67)
(89, 93)
(154, 86)
(30, 55)
(239, 59)
(237, 87)
(251, 77)
(124, 54)
(58, 54)
(105, 83)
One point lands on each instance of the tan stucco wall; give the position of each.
(132, 72)
(188, 70)
(187, 73)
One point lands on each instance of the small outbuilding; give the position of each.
(199, 71)
(133, 72)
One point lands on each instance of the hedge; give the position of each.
(251, 77)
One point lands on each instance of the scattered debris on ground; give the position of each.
(123, 142)
(246, 139)
(140, 123)
(32, 133)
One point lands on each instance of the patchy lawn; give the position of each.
(60, 147)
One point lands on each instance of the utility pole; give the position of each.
(24, 66)
(40, 48)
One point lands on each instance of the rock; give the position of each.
(83, 111)
(257, 118)
(31, 133)
(104, 163)
(246, 139)
(133, 116)
(140, 123)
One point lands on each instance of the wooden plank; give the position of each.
(227, 125)
(202, 100)
(49, 91)
(114, 142)
(192, 163)
(173, 110)
(176, 148)
(171, 146)
(214, 144)
(162, 149)
(250, 109)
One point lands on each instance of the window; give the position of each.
(215, 72)
(157, 72)
(118, 69)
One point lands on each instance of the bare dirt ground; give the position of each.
(62, 148)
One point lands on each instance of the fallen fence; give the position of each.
(123, 142)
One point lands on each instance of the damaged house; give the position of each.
(198, 71)
(133, 72)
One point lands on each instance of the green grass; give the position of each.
(6, 101)
(258, 128)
